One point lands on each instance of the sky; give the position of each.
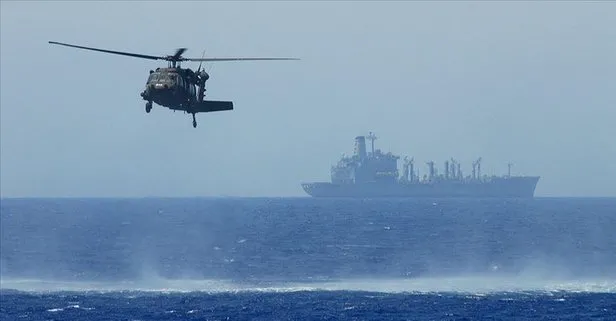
(531, 83)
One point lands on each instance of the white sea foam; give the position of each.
(470, 284)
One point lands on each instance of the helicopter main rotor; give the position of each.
(173, 59)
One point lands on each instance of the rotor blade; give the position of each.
(235, 59)
(109, 51)
(178, 53)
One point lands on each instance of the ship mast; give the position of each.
(372, 138)
(408, 169)
(412, 170)
(453, 173)
(431, 170)
(477, 169)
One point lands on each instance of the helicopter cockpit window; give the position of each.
(153, 76)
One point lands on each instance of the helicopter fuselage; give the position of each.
(180, 89)
(171, 88)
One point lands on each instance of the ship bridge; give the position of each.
(362, 166)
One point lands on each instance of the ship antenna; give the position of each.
(479, 167)
(372, 137)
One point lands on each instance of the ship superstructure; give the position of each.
(376, 174)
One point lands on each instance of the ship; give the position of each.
(375, 174)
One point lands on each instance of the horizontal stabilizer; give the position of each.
(208, 106)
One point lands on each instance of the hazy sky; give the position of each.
(523, 82)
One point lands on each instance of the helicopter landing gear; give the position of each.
(194, 121)
(148, 106)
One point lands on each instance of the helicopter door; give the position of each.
(183, 84)
(189, 88)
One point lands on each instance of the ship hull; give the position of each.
(507, 187)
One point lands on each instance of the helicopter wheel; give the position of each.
(148, 107)
(194, 121)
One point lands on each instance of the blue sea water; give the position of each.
(307, 259)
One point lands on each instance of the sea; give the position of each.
(307, 259)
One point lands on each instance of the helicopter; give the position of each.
(175, 87)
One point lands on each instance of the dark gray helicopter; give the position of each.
(175, 87)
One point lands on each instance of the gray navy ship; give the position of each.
(375, 174)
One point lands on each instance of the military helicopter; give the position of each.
(175, 87)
